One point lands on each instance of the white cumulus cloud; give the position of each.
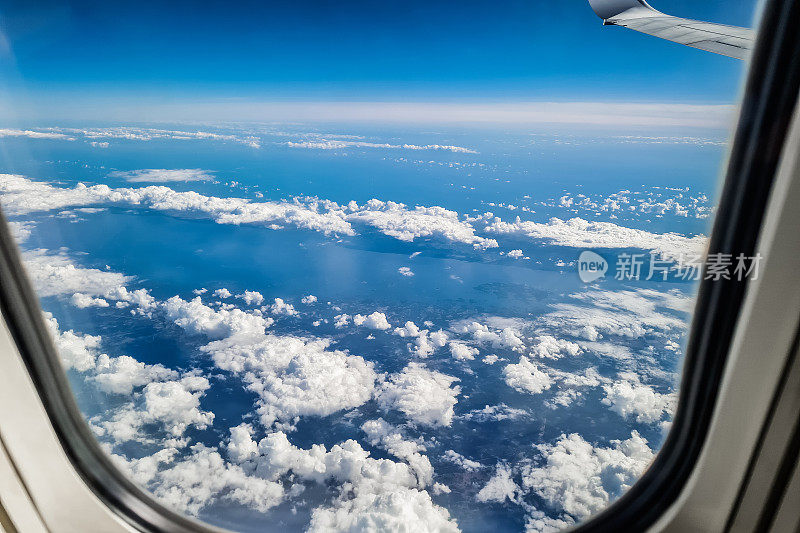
(295, 376)
(375, 320)
(405, 271)
(452, 456)
(630, 398)
(580, 479)
(398, 221)
(526, 376)
(580, 233)
(499, 488)
(251, 297)
(424, 396)
(280, 307)
(462, 352)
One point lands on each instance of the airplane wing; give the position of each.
(730, 41)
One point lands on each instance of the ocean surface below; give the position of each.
(341, 327)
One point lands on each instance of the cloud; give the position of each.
(396, 220)
(131, 133)
(279, 307)
(438, 338)
(658, 201)
(308, 300)
(400, 510)
(537, 521)
(77, 351)
(374, 321)
(54, 274)
(157, 396)
(20, 231)
(405, 271)
(425, 342)
(549, 347)
(666, 139)
(173, 405)
(497, 334)
(222, 293)
(163, 175)
(31, 134)
(199, 319)
(21, 195)
(580, 233)
(462, 352)
(200, 479)
(527, 377)
(381, 433)
(459, 460)
(247, 333)
(275, 456)
(495, 413)
(295, 376)
(375, 493)
(593, 315)
(499, 488)
(342, 144)
(580, 479)
(424, 396)
(341, 321)
(251, 297)
(120, 375)
(629, 398)
(570, 384)
(82, 301)
(371, 490)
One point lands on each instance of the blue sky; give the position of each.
(101, 55)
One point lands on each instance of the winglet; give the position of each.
(607, 9)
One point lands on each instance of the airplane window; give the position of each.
(372, 267)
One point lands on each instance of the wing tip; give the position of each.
(606, 9)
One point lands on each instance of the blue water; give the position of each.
(173, 254)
